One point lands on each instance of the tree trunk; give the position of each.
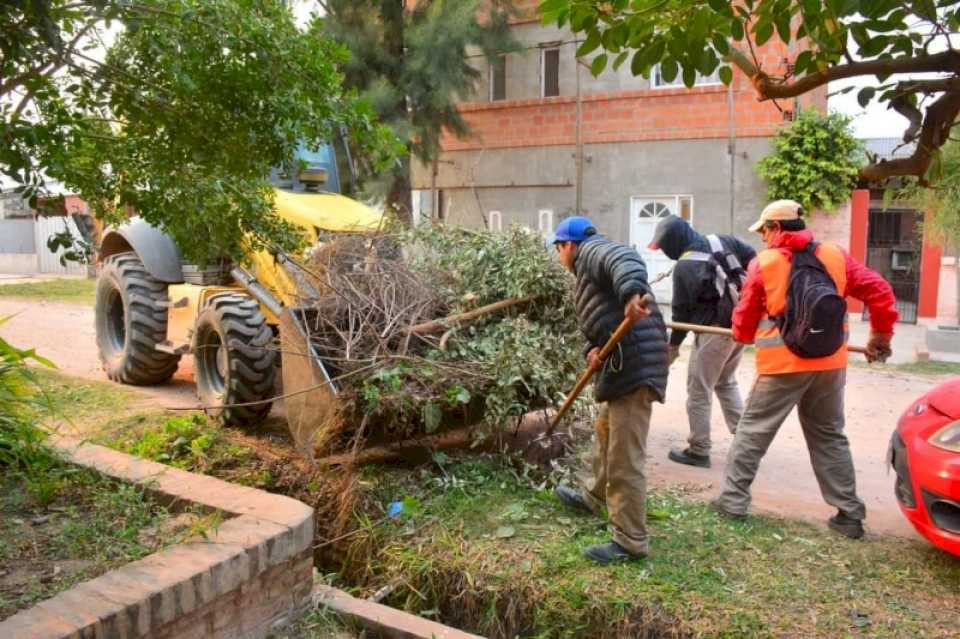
(399, 198)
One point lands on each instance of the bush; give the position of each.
(815, 162)
(23, 451)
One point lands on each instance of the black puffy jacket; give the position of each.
(608, 274)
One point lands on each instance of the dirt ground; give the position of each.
(784, 486)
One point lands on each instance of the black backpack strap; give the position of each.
(730, 273)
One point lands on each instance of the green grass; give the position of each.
(485, 550)
(66, 526)
(76, 290)
(81, 401)
(316, 624)
(932, 368)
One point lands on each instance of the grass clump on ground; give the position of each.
(59, 524)
(74, 527)
(68, 289)
(482, 548)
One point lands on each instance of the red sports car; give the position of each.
(925, 453)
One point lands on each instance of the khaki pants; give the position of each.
(618, 478)
(712, 369)
(818, 397)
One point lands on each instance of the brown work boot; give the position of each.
(715, 506)
(846, 526)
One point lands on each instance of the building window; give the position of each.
(657, 81)
(498, 79)
(549, 72)
(545, 222)
(494, 222)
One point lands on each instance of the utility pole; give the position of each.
(579, 135)
(732, 151)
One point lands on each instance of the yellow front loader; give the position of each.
(152, 308)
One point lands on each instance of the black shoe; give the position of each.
(690, 459)
(571, 498)
(723, 512)
(610, 552)
(846, 526)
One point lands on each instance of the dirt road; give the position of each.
(785, 485)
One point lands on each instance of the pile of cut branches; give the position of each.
(402, 373)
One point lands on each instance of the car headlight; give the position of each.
(948, 437)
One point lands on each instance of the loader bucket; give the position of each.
(309, 394)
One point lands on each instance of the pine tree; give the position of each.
(414, 65)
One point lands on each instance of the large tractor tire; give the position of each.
(235, 361)
(131, 320)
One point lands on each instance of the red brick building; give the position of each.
(648, 147)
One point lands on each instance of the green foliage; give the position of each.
(500, 367)
(180, 119)
(815, 161)
(23, 451)
(943, 202)
(687, 37)
(182, 442)
(413, 65)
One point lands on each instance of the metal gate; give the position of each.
(894, 244)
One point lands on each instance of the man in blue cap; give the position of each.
(610, 281)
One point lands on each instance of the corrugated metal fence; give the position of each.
(49, 262)
(24, 243)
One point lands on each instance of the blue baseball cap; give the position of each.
(574, 229)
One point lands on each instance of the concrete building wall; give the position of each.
(521, 182)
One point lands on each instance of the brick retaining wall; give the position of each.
(253, 573)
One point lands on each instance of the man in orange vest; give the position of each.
(792, 307)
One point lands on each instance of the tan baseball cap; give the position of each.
(778, 211)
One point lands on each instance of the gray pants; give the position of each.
(712, 369)
(619, 480)
(818, 397)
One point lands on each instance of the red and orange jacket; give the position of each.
(756, 308)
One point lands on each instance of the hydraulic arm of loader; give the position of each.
(309, 392)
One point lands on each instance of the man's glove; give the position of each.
(878, 348)
(673, 352)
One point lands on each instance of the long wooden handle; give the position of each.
(726, 332)
(587, 375)
(435, 326)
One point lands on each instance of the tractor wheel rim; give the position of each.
(116, 322)
(213, 358)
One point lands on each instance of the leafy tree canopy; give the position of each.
(943, 201)
(414, 66)
(815, 161)
(837, 39)
(175, 109)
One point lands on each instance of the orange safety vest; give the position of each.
(773, 356)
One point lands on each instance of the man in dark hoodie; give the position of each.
(706, 287)
(610, 281)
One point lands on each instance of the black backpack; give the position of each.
(724, 274)
(812, 322)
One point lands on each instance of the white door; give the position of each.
(645, 214)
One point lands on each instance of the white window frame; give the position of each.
(494, 221)
(543, 70)
(676, 197)
(545, 229)
(701, 81)
(490, 68)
